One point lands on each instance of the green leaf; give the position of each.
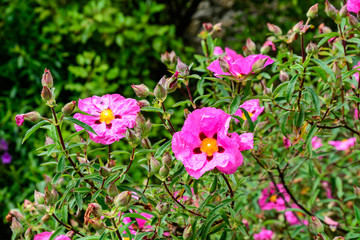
(162, 149)
(325, 67)
(134, 215)
(32, 130)
(234, 106)
(56, 233)
(310, 136)
(248, 118)
(357, 214)
(82, 190)
(339, 187)
(81, 124)
(74, 134)
(151, 109)
(283, 121)
(352, 98)
(315, 99)
(61, 164)
(290, 88)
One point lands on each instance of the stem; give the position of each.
(66, 226)
(190, 97)
(127, 169)
(181, 205)
(169, 121)
(167, 128)
(303, 76)
(117, 230)
(230, 190)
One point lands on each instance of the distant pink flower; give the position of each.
(344, 144)
(356, 114)
(19, 119)
(140, 223)
(353, 6)
(286, 142)
(333, 224)
(4, 146)
(316, 142)
(264, 234)
(204, 143)
(326, 185)
(252, 107)
(356, 75)
(6, 158)
(238, 67)
(47, 235)
(111, 115)
(229, 53)
(271, 199)
(294, 218)
(270, 44)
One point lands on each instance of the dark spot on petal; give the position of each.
(209, 158)
(108, 126)
(215, 136)
(97, 122)
(117, 117)
(253, 111)
(197, 150)
(221, 149)
(229, 135)
(101, 102)
(202, 136)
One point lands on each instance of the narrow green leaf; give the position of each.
(357, 214)
(234, 106)
(61, 164)
(248, 118)
(81, 124)
(134, 215)
(82, 190)
(56, 233)
(162, 149)
(151, 109)
(353, 98)
(290, 88)
(74, 135)
(315, 98)
(32, 130)
(283, 121)
(325, 67)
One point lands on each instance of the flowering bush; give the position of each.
(239, 164)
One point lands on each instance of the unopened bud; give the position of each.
(47, 79)
(154, 164)
(27, 204)
(141, 90)
(353, 21)
(274, 29)
(69, 108)
(96, 223)
(109, 200)
(168, 58)
(132, 138)
(207, 26)
(224, 65)
(283, 76)
(45, 218)
(39, 197)
(28, 234)
(143, 103)
(186, 113)
(217, 27)
(17, 215)
(259, 64)
(122, 199)
(324, 29)
(166, 159)
(182, 68)
(343, 11)
(46, 94)
(313, 11)
(48, 140)
(265, 49)
(55, 195)
(33, 116)
(330, 10)
(296, 28)
(187, 232)
(112, 190)
(49, 198)
(357, 191)
(41, 208)
(163, 208)
(338, 238)
(246, 51)
(70, 234)
(16, 227)
(315, 225)
(164, 171)
(171, 83)
(336, 69)
(160, 92)
(311, 48)
(96, 209)
(250, 45)
(104, 171)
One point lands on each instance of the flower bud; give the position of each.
(45, 218)
(47, 79)
(163, 208)
(154, 164)
(160, 92)
(17, 215)
(217, 27)
(186, 113)
(315, 225)
(112, 190)
(55, 195)
(122, 199)
(343, 11)
(246, 52)
(95, 209)
(224, 65)
(132, 138)
(311, 48)
(171, 83)
(182, 68)
(70, 234)
(164, 171)
(41, 208)
(274, 29)
(259, 64)
(250, 45)
(357, 191)
(27, 204)
(143, 103)
(69, 108)
(96, 223)
(49, 198)
(338, 238)
(46, 94)
(207, 26)
(313, 11)
(283, 76)
(353, 21)
(16, 227)
(187, 232)
(28, 234)
(168, 58)
(39, 197)
(296, 27)
(109, 200)
(166, 159)
(104, 171)
(265, 49)
(336, 69)
(330, 10)
(324, 29)
(141, 90)
(33, 116)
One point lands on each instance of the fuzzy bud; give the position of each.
(28, 234)
(336, 69)
(112, 190)
(313, 11)
(55, 195)
(168, 58)
(217, 27)
(187, 232)
(164, 171)
(182, 68)
(283, 76)
(104, 171)
(154, 164)
(141, 90)
(207, 26)
(41, 208)
(343, 11)
(109, 200)
(163, 208)
(132, 138)
(224, 65)
(296, 27)
(353, 21)
(311, 48)
(46, 94)
(71, 234)
(69, 108)
(166, 159)
(186, 113)
(17, 215)
(171, 83)
(39, 197)
(97, 209)
(122, 199)
(357, 191)
(47, 79)
(33, 116)
(330, 10)
(49, 198)
(246, 52)
(259, 64)
(324, 29)
(160, 92)
(315, 225)
(250, 45)
(143, 103)
(96, 223)
(16, 227)
(274, 29)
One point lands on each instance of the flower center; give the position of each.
(244, 117)
(273, 198)
(209, 146)
(106, 116)
(300, 214)
(344, 140)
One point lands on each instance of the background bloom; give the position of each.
(316, 143)
(141, 223)
(344, 144)
(111, 115)
(3, 145)
(47, 235)
(204, 143)
(271, 199)
(252, 107)
(286, 142)
(295, 218)
(6, 158)
(264, 234)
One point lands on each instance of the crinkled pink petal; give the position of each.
(216, 69)
(279, 204)
(264, 234)
(218, 51)
(245, 140)
(293, 219)
(19, 119)
(316, 142)
(232, 54)
(47, 235)
(353, 6)
(252, 107)
(330, 222)
(343, 145)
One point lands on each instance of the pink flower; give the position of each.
(344, 144)
(47, 235)
(295, 219)
(286, 142)
(356, 114)
(316, 143)
(252, 107)
(270, 44)
(204, 143)
(141, 223)
(353, 6)
(111, 115)
(264, 234)
(6, 158)
(229, 53)
(19, 119)
(333, 224)
(356, 75)
(326, 185)
(271, 199)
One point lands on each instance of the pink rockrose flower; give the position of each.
(229, 53)
(344, 144)
(326, 185)
(353, 6)
(295, 218)
(286, 142)
(110, 116)
(140, 223)
(264, 234)
(271, 199)
(47, 235)
(252, 107)
(269, 44)
(19, 119)
(239, 67)
(316, 142)
(332, 224)
(204, 143)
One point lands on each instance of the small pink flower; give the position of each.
(294, 218)
(264, 234)
(356, 75)
(316, 142)
(229, 53)
(47, 235)
(270, 44)
(271, 199)
(326, 185)
(141, 223)
(353, 6)
(344, 144)
(333, 224)
(204, 143)
(111, 115)
(286, 142)
(356, 114)
(6, 158)
(252, 107)
(19, 119)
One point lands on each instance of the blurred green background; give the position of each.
(98, 47)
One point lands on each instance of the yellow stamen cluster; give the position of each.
(106, 116)
(273, 198)
(209, 146)
(244, 117)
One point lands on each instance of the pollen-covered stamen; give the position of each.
(273, 198)
(209, 146)
(106, 116)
